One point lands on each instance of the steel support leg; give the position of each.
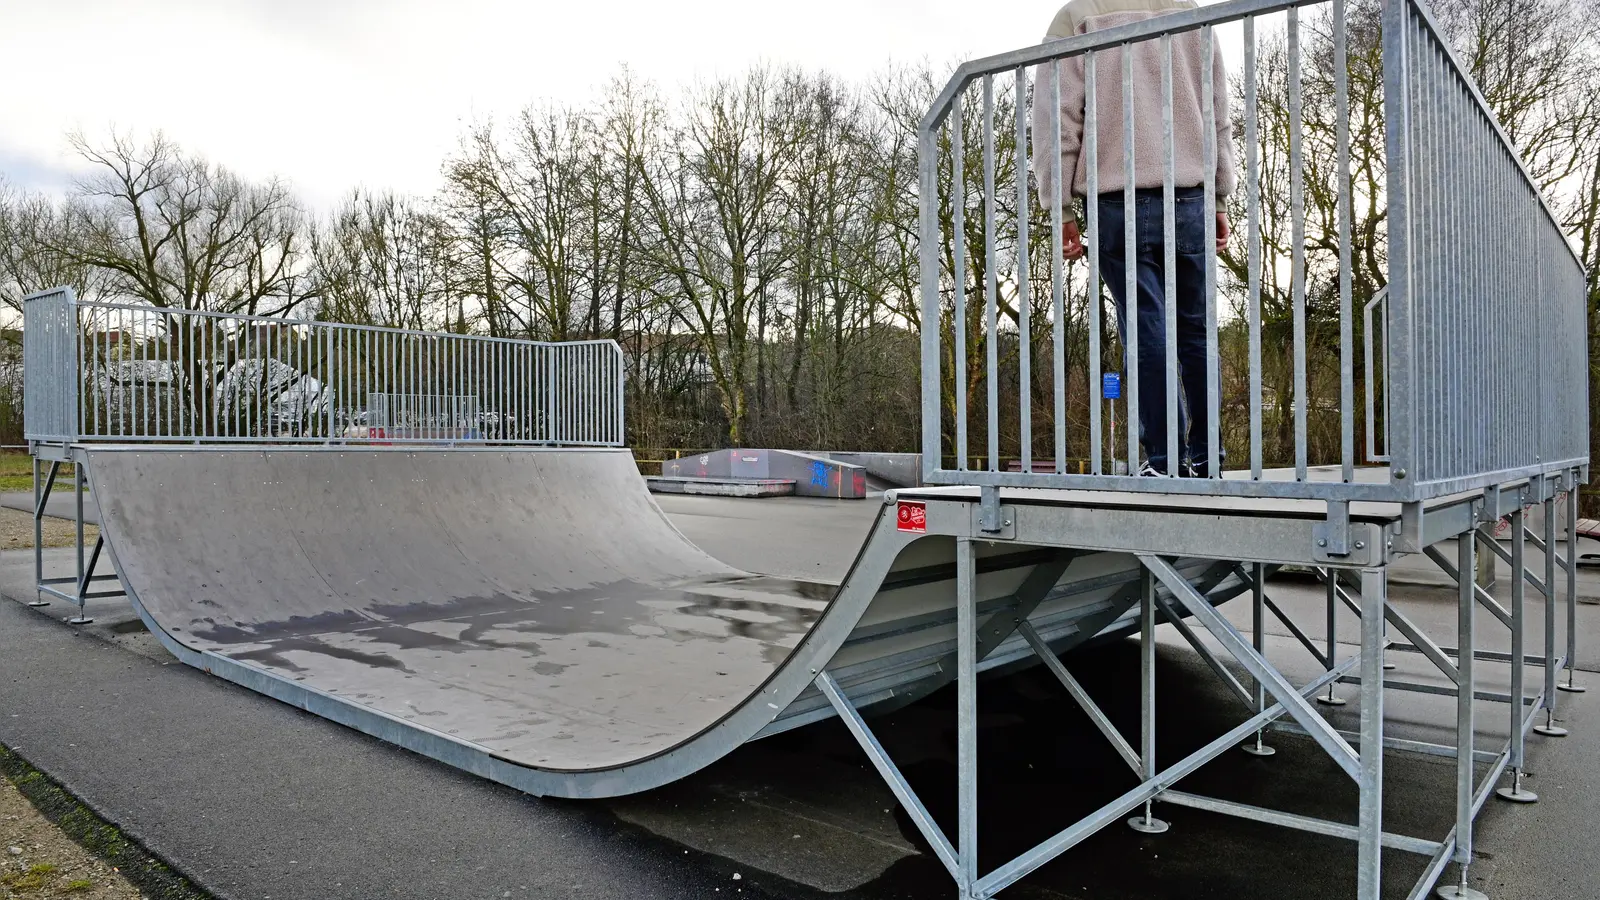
(1550, 603)
(1331, 585)
(1258, 610)
(1369, 848)
(967, 716)
(83, 580)
(1466, 609)
(1515, 792)
(39, 494)
(1147, 823)
(1571, 686)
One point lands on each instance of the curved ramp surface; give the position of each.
(531, 615)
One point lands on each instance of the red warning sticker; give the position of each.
(912, 515)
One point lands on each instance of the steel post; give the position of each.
(38, 537)
(1258, 639)
(1466, 609)
(1369, 850)
(967, 715)
(1515, 792)
(1571, 685)
(1147, 823)
(1331, 587)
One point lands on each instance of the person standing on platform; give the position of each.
(1149, 172)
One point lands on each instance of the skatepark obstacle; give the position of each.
(563, 638)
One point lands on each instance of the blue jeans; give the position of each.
(1189, 229)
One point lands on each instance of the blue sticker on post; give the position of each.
(1111, 385)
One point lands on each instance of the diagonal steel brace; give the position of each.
(1269, 678)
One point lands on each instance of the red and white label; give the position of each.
(912, 515)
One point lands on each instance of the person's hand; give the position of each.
(1071, 240)
(1223, 231)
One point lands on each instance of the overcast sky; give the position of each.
(330, 94)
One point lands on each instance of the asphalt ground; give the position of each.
(252, 798)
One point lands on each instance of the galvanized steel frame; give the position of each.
(1360, 754)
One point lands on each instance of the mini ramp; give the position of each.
(531, 616)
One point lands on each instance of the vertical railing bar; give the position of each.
(1024, 300)
(1058, 335)
(991, 289)
(958, 228)
(1169, 263)
(1130, 261)
(1091, 204)
(1297, 273)
(930, 235)
(1213, 435)
(136, 376)
(97, 369)
(164, 357)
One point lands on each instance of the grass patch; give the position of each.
(153, 878)
(16, 473)
(78, 884)
(20, 883)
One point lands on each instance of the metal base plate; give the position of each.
(38, 602)
(1550, 730)
(1572, 688)
(1326, 700)
(1517, 795)
(1255, 749)
(1148, 826)
(1457, 892)
(80, 620)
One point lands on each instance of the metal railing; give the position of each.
(1489, 348)
(1488, 380)
(120, 372)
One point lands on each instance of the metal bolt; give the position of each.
(1361, 545)
(1322, 542)
(1399, 473)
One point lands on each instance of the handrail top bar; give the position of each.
(1170, 23)
(308, 323)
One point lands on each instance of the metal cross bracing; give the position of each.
(1277, 534)
(47, 462)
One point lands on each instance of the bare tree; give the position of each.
(714, 200)
(174, 230)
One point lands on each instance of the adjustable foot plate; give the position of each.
(1517, 795)
(1149, 825)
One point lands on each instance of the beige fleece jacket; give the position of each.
(1149, 166)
